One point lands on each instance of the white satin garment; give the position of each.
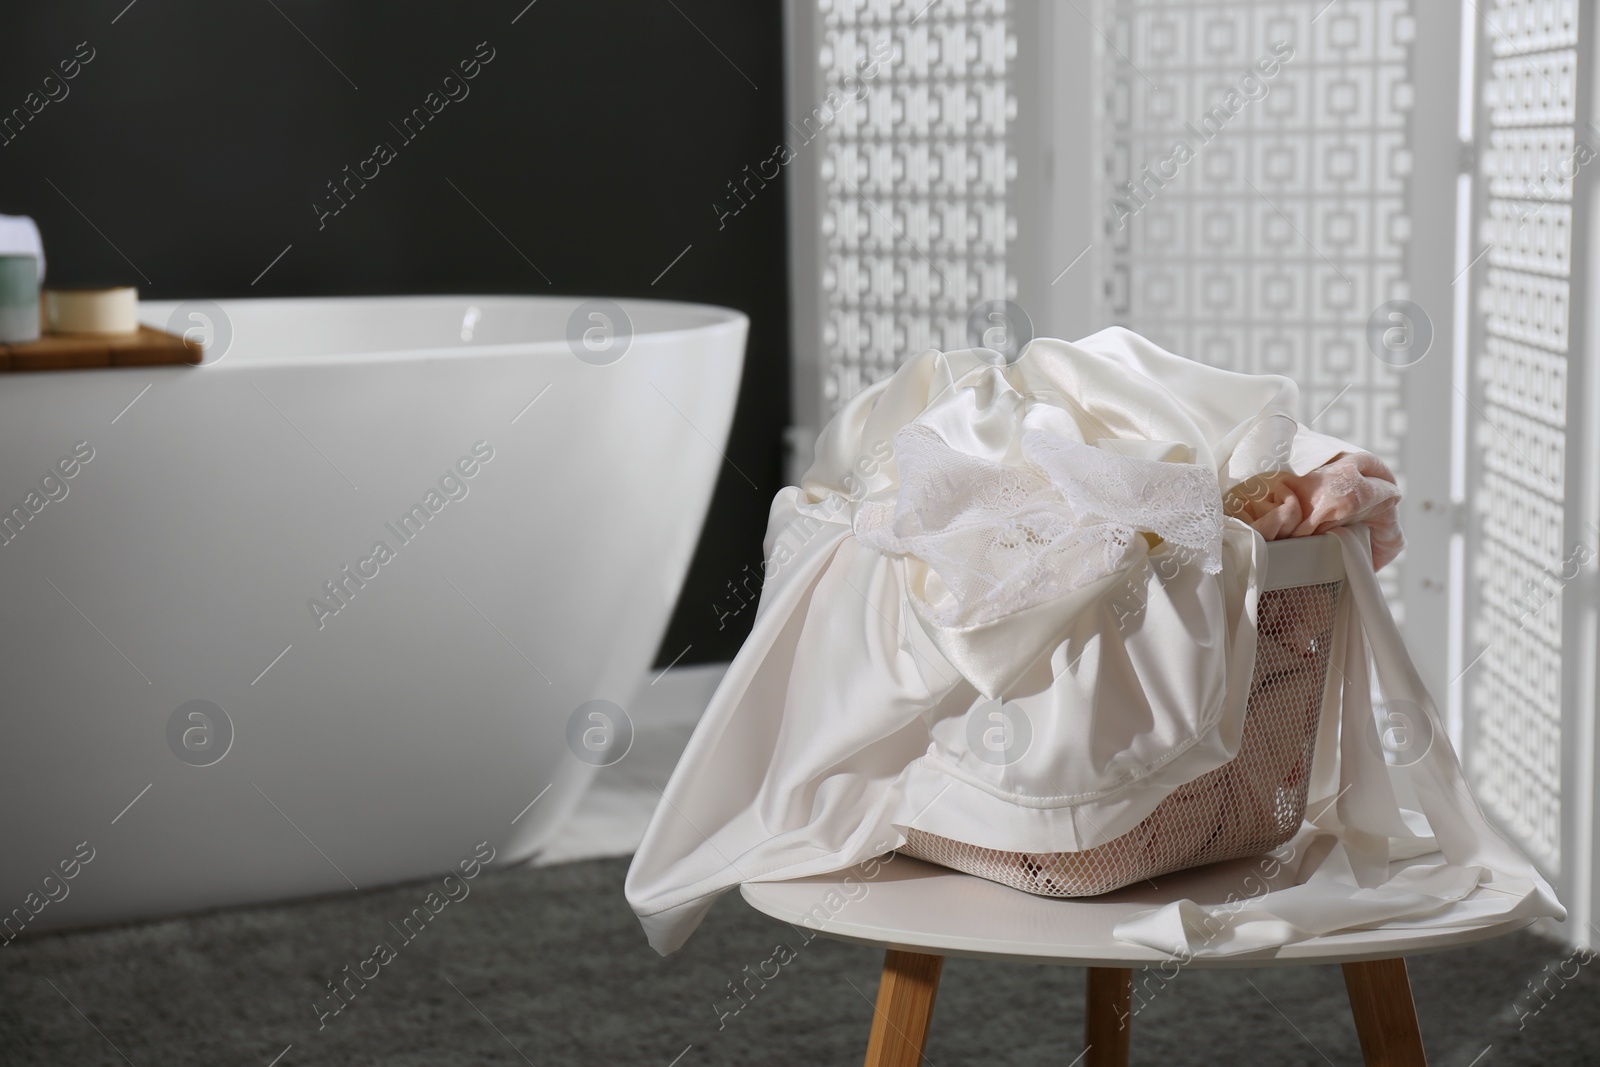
(1049, 534)
(1360, 859)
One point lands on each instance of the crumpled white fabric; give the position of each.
(1050, 534)
(1359, 858)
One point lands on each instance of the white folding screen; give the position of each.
(900, 192)
(945, 182)
(1275, 186)
(1530, 539)
(1257, 168)
(1257, 164)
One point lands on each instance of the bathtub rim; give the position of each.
(719, 321)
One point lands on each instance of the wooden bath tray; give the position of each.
(80, 351)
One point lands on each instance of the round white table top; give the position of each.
(919, 907)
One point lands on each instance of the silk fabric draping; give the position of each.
(848, 716)
(1359, 859)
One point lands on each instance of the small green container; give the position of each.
(19, 298)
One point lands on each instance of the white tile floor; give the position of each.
(612, 816)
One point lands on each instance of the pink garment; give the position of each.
(1352, 487)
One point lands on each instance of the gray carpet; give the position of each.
(547, 966)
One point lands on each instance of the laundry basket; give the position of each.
(1249, 805)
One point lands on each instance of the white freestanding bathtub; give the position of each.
(178, 540)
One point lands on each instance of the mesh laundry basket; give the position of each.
(1248, 806)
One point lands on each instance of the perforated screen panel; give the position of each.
(1530, 154)
(914, 175)
(1270, 246)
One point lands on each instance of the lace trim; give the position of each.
(1005, 537)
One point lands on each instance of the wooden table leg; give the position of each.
(905, 1009)
(1386, 1017)
(1106, 1027)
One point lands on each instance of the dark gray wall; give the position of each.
(194, 144)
